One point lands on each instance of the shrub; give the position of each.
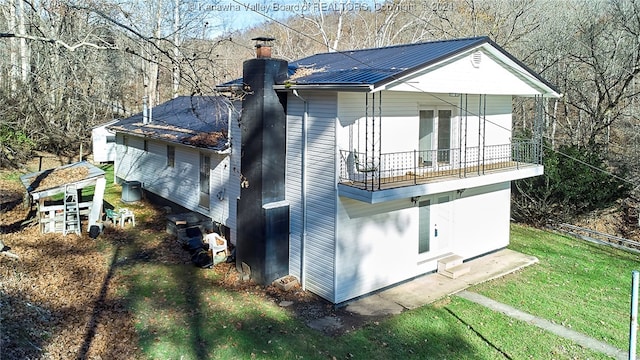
(575, 181)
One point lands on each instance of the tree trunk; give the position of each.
(176, 48)
(13, 49)
(25, 58)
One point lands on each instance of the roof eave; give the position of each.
(221, 151)
(335, 87)
(546, 88)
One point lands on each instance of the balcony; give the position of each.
(388, 176)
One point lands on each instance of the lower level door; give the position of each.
(435, 219)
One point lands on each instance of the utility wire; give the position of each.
(591, 166)
(456, 106)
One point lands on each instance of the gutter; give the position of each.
(336, 87)
(303, 190)
(225, 151)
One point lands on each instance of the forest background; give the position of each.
(68, 66)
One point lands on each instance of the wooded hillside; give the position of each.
(66, 67)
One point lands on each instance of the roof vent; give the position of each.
(263, 46)
(476, 59)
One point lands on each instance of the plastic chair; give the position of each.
(216, 243)
(366, 168)
(126, 214)
(112, 215)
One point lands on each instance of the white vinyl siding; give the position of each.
(103, 144)
(378, 244)
(321, 189)
(293, 180)
(179, 184)
(482, 220)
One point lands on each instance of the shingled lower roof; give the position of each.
(200, 121)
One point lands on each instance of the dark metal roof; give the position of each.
(200, 121)
(378, 66)
(373, 66)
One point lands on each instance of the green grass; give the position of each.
(181, 313)
(194, 320)
(198, 320)
(516, 338)
(580, 285)
(10, 176)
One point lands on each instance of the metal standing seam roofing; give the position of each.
(183, 120)
(377, 66)
(373, 66)
(370, 66)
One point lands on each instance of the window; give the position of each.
(434, 136)
(205, 181)
(111, 139)
(425, 139)
(444, 135)
(424, 224)
(171, 156)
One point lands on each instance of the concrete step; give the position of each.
(456, 271)
(449, 262)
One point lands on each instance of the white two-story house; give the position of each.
(360, 169)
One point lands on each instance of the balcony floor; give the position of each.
(370, 182)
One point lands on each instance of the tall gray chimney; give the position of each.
(263, 215)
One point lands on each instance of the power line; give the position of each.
(591, 166)
(432, 94)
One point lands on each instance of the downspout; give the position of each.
(466, 128)
(145, 111)
(303, 189)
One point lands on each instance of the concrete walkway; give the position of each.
(559, 330)
(429, 288)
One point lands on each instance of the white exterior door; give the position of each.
(434, 136)
(435, 226)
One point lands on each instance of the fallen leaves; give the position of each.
(59, 177)
(209, 139)
(59, 300)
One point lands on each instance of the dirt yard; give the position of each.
(62, 299)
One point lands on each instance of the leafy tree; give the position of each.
(14, 145)
(575, 181)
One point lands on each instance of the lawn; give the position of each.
(148, 301)
(583, 286)
(184, 312)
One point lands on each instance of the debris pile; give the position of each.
(59, 177)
